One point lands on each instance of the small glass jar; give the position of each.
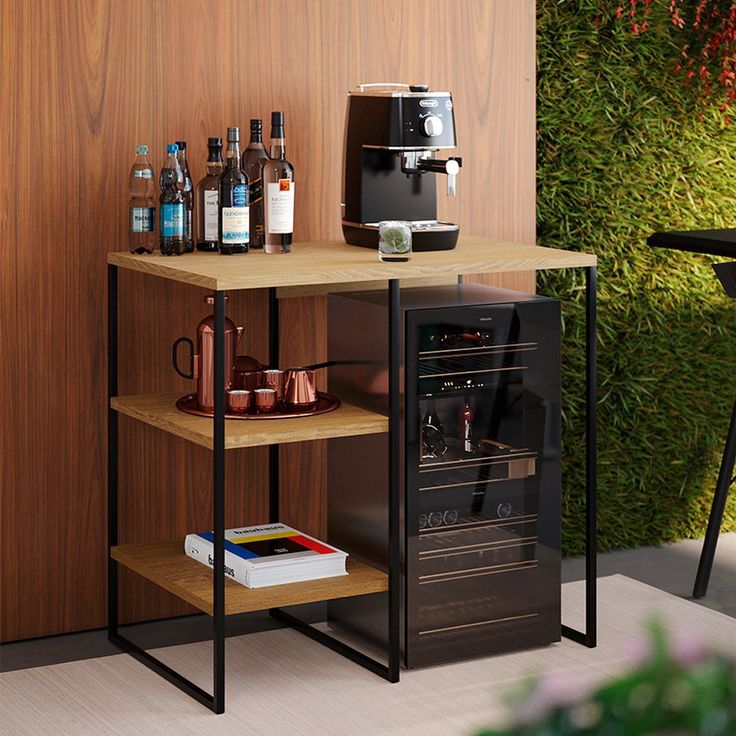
(394, 240)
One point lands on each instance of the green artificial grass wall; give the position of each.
(624, 150)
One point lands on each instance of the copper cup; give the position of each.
(265, 400)
(247, 373)
(274, 379)
(238, 401)
(300, 390)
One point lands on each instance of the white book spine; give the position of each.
(202, 550)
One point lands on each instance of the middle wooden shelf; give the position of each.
(159, 410)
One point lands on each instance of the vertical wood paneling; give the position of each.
(84, 82)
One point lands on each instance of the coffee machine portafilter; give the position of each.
(393, 133)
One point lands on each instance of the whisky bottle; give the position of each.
(207, 198)
(141, 205)
(278, 192)
(233, 215)
(188, 191)
(252, 162)
(171, 212)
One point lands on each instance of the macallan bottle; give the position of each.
(278, 192)
(254, 156)
(233, 220)
(141, 205)
(208, 195)
(171, 211)
(188, 192)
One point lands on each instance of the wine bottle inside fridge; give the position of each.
(207, 198)
(233, 221)
(141, 205)
(172, 214)
(188, 192)
(278, 192)
(254, 156)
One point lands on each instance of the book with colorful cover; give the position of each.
(269, 554)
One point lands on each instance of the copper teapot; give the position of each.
(202, 362)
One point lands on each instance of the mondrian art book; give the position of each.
(270, 554)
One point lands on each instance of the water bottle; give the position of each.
(141, 205)
(172, 216)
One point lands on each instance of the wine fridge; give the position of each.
(480, 454)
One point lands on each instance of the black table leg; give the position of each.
(725, 479)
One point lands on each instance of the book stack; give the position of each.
(270, 554)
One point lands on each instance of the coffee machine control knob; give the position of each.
(432, 126)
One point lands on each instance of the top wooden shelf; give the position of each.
(335, 262)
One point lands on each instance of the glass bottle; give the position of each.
(278, 192)
(188, 192)
(252, 162)
(233, 215)
(207, 197)
(171, 213)
(141, 204)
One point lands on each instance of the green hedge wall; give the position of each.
(624, 150)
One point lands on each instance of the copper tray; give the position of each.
(325, 402)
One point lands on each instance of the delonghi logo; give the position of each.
(486, 319)
(428, 103)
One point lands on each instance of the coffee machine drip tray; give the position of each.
(426, 235)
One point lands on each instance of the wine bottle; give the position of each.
(141, 204)
(233, 215)
(171, 213)
(278, 192)
(188, 192)
(254, 156)
(208, 195)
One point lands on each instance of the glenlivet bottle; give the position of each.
(188, 191)
(141, 205)
(172, 215)
(233, 200)
(252, 162)
(208, 195)
(278, 192)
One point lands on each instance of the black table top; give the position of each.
(712, 242)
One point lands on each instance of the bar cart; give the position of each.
(325, 267)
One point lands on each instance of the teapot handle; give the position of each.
(175, 357)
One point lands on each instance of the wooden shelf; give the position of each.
(334, 262)
(159, 410)
(166, 565)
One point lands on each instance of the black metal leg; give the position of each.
(725, 479)
(112, 449)
(273, 450)
(394, 480)
(218, 572)
(589, 638)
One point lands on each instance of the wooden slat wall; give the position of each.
(83, 83)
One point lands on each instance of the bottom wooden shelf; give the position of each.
(165, 564)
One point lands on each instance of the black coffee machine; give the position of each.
(392, 135)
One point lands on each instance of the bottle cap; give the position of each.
(182, 145)
(172, 148)
(233, 135)
(256, 125)
(141, 150)
(214, 141)
(277, 118)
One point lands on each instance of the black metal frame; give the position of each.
(589, 637)
(216, 700)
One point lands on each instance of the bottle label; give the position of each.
(281, 207)
(172, 220)
(143, 174)
(255, 190)
(235, 225)
(239, 194)
(211, 199)
(141, 219)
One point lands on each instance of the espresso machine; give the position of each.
(393, 133)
